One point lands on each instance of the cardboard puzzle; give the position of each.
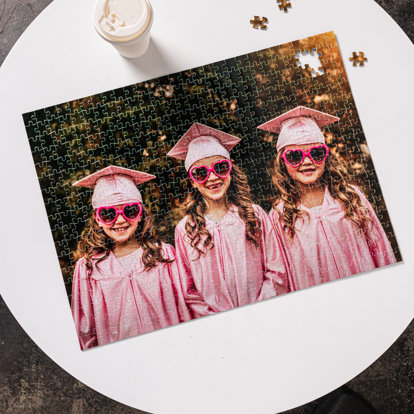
(208, 189)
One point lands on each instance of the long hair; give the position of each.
(335, 177)
(238, 194)
(94, 242)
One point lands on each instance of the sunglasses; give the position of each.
(201, 173)
(295, 157)
(108, 215)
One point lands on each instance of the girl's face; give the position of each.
(308, 172)
(121, 230)
(215, 188)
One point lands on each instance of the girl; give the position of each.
(227, 253)
(126, 281)
(328, 227)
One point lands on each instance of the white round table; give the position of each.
(264, 358)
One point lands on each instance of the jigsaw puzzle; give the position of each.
(208, 189)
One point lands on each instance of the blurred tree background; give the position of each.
(137, 125)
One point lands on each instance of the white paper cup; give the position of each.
(125, 24)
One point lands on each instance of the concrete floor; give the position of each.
(30, 382)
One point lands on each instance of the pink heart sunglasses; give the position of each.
(200, 174)
(108, 215)
(295, 157)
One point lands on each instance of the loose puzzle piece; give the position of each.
(258, 22)
(358, 60)
(284, 5)
(136, 126)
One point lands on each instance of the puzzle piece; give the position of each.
(258, 22)
(284, 5)
(358, 60)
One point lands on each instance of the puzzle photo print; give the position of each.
(209, 189)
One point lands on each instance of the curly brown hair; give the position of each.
(238, 194)
(94, 241)
(335, 177)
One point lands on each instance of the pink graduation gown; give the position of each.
(234, 272)
(327, 246)
(119, 301)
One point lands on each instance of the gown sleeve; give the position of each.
(191, 296)
(276, 223)
(82, 307)
(379, 245)
(276, 275)
(174, 273)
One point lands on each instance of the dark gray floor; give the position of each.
(31, 383)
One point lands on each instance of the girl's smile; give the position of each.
(307, 171)
(215, 186)
(120, 229)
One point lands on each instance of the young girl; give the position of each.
(227, 252)
(328, 227)
(126, 281)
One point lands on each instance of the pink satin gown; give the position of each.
(120, 299)
(234, 272)
(327, 246)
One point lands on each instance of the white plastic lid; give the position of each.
(121, 20)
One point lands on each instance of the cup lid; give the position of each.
(121, 20)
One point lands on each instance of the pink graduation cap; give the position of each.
(114, 185)
(299, 126)
(202, 141)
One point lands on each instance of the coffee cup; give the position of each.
(125, 24)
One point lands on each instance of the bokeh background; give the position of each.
(30, 382)
(135, 127)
